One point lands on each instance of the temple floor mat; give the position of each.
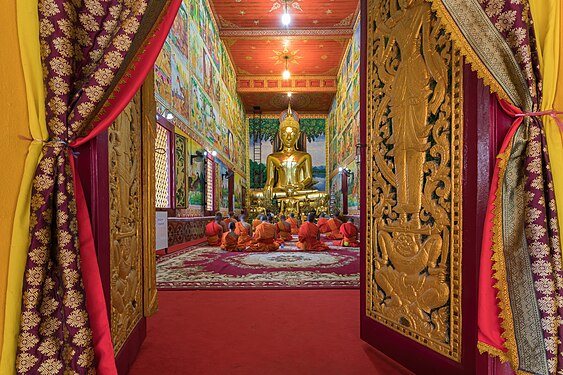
(206, 267)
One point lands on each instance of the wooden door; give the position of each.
(117, 171)
(428, 147)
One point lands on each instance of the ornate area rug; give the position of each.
(205, 267)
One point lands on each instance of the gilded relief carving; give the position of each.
(126, 221)
(413, 174)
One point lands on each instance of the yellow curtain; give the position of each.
(28, 31)
(547, 25)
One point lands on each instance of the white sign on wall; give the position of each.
(161, 230)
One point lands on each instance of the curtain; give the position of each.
(521, 277)
(94, 55)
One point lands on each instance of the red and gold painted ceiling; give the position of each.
(261, 56)
(314, 43)
(276, 102)
(266, 14)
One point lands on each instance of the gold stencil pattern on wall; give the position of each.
(414, 133)
(126, 221)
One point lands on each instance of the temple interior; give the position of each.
(281, 187)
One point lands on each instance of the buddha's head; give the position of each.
(289, 132)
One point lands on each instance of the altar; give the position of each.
(289, 186)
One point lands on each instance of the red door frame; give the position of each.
(484, 128)
(344, 183)
(231, 191)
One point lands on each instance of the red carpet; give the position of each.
(289, 332)
(207, 267)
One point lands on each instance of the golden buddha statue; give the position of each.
(289, 172)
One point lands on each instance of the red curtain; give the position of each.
(95, 56)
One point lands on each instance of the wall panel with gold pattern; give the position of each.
(126, 221)
(413, 167)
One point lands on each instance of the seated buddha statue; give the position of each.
(289, 172)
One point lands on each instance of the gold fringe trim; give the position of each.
(471, 57)
(492, 351)
(499, 269)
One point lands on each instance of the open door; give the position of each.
(427, 155)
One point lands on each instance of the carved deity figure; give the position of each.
(409, 27)
(417, 282)
(289, 171)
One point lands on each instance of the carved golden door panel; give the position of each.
(413, 181)
(131, 225)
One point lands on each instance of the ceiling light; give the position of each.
(286, 74)
(340, 169)
(213, 153)
(286, 19)
(169, 116)
(289, 95)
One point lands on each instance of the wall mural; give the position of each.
(344, 125)
(196, 81)
(315, 130)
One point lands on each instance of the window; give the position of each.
(210, 185)
(162, 167)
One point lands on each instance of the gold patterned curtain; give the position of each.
(521, 277)
(89, 51)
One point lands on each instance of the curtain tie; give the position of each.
(550, 112)
(51, 143)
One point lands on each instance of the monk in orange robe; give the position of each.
(309, 236)
(229, 241)
(322, 224)
(242, 229)
(350, 233)
(256, 222)
(283, 230)
(264, 237)
(214, 231)
(230, 219)
(293, 223)
(221, 222)
(333, 225)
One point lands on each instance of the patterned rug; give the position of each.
(205, 267)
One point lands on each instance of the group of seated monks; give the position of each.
(263, 236)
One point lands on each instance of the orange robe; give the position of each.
(309, 238)
(213, 231)
(334, 226)
(255, 223)
(229, 242)
(350, 233)
(244, 238)
(228, 220)
(283, 231)
(264, 238)
(323, 227)
(294, 225)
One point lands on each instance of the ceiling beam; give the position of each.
(275, 83)
(283, 33)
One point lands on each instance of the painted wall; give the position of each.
(344, 126)
(196, 82)
(312, 125)
(14, 123)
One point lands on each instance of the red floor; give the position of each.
(288, 332)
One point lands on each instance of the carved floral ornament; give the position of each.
(414, 175)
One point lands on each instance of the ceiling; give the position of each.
(266, 14)
(276, 102)
(314, 44)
